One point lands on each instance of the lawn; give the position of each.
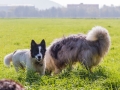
(18, 33)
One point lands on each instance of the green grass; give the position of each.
(18, 33)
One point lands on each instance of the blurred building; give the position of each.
(81, 5)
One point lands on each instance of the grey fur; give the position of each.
(87, 49)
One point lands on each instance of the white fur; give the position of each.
(8, 59)
(95, 33)
(39, 54)
(23, 57)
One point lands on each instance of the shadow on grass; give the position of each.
(97, 74)
(31, 80)
(32, 77)
(100, 72)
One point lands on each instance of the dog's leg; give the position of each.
(89, 68)
(56, 71)
(85, 63)
(48, 72)
(42, 71)
(70, 67)
(16, 66)
(17, 69)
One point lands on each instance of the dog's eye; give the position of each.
(42, 50)
(36, 51)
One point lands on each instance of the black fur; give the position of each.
(34, 48)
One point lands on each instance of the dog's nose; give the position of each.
(39, 57)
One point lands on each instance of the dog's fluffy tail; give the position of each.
(8, 59)
(101, 35)
(97, 33)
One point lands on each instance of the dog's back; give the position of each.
(20, 58)
(20, 55)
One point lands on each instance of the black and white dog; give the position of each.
(32, 59)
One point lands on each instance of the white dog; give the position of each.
(32, 58)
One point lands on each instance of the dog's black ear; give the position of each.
(33, 43)
(43, 44)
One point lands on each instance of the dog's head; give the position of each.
(38, 50)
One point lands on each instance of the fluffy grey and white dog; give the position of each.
(32, 59)
(87, 49)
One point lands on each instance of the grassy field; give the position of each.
(18, 33)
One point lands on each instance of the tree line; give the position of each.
(27, 11)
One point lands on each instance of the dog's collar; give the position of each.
(38, 63)
(41, 64)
